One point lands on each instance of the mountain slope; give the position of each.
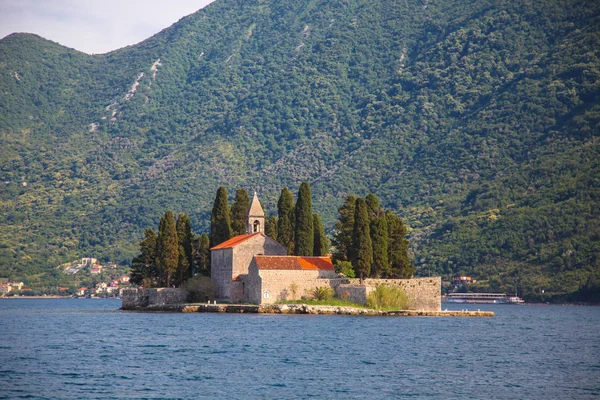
(477, 121)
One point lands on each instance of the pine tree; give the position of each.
(379, 239)
(321, 246)
(401, 267)
(201, 254)
(239, 212)
(304, 236)
(144, 265)
(168, 246)
(185, 236)
(361, 252)
(271, 227)
(342, 239)
(285, 220)
(220, 223)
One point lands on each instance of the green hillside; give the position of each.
(478, 122)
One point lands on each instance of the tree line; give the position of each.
(369, 241)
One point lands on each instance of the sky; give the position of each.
(93, 26)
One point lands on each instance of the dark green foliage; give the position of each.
(144, 265)
(478, 121)
(286, 219)
(200, 289)
(304, 235)
(379, 238)
(201, 255)
(321, 246)
(239, 212)
(401, 267)
(346, 268)
(220, 223)
(361, 252)
(372, 206)
(271, 227)
(186, 238)
(167, 247)
(342, 240)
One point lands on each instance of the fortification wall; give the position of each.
(280, 285)
(422, 293)
(135, 299)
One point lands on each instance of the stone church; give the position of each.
(253, 268)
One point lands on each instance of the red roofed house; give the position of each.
(253, 268)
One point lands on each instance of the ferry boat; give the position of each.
(482, 298)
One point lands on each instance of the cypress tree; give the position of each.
(321, 246)
(220, 222)
(239, 212)
(361, 252)
(186, 237)
(342, 239)
(285, 220)
(201, 254)
(304, 236)
(372, 206)
(168, 246)
(271, 227)
(379, 238)
(400, 264)
(144, 265)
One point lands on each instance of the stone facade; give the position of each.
(229, 262)
(422, 293)
(136, 299)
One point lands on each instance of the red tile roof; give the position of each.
(294, 263)
(234, 241)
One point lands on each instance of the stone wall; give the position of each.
(422, 293)
(135, 299)
(221, 262)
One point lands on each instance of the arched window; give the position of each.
(256, 226)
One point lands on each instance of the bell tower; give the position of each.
(256, 217)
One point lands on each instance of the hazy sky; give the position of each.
(93, 26)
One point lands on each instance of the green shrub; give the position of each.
(386, 297)
(200, 289)
(345, 267)
(323, 293)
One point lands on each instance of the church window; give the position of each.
(266, 294)
(256, 226)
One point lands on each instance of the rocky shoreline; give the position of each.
(304, 309)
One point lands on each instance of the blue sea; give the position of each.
(89, 349)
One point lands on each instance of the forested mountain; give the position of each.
(477, 121)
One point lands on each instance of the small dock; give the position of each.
(307, 309)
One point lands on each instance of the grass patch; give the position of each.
(386, 297)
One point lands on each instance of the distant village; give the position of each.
(98, 280)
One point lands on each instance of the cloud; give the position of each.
(93, 26)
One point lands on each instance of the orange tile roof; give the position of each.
(294, 263)
(234, 241)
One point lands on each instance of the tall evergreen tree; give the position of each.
(186, 237)
(372, 206)
(379, 239)
(239, 212)
(285, 219)
(220, 222)
(143, 266)
(361, 252)
(401, 267)
(342, 239)
(201, 254)
(321, 246)
(271, 227)
(168, 246)
(304, 235)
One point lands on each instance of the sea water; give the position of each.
(76, 349)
